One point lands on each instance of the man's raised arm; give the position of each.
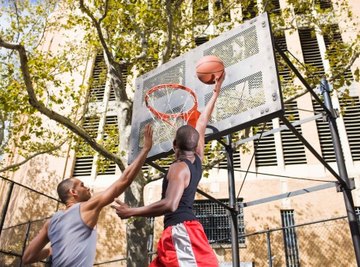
(91, 208)
(205, 116)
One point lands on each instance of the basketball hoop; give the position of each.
(173, 104)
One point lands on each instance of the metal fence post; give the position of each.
(346, 186)
(268, 241)
(6, 206)
(232, 201)
(26, 239)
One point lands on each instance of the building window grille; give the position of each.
(273, 7)
(98, 80)
(290, 239)
(84, 154)
(265, 151)
(201, 40)
(284, 70)
(249, 10)
(222, 10)
(293, 148)
(201, 12)
(333, 39)
(236, 161)
(350, 107)
(110, 138)
(302, 7)
(215, 220)
(311, 52)
(325, 138)
(324, 4)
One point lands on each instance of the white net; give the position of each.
(170, 106)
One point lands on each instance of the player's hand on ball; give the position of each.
(218, 82)
(122, 209)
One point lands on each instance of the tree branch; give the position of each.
(52, 114)
(14, 166)
(97, 26)
(169, 31)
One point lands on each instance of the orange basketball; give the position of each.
(209, 68)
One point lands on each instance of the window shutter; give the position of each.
(265, 151)
(84, 154)
(293, 148)
(311, 51)
(351, 116)
(325, 138)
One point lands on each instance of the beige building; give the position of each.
(279, 183)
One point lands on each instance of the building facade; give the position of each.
(290, 213)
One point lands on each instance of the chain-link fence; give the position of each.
(321, 243)
(23, 212)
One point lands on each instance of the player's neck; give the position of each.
(190, 155)
(70, 203)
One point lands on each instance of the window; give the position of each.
(250, 10)
(84, 154)
(222, 10)
(201, 40)
(111, 136)
(325, 138)
(324, 4)
(302, 7)
(293, 148)
(351, 115)
(311, 52)
(284, 70)
(290, 240)
(273, 7)
(265, 151)
(97, 84)
(201, 12)
(236, 161)
(335, 47)
(215, 221)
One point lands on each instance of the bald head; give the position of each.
(187, 138)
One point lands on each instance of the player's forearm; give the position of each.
(205, 115)
(28, 257)
(153, 210)
(119, 186)
(131, 171)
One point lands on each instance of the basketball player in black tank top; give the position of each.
(183, 242)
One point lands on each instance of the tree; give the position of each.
(135, 36)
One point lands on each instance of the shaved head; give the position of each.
(187, 138)
(63, 189)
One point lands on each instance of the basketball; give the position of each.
(209, 68)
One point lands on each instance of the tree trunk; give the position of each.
(138, 230)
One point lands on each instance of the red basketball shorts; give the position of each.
(184, 245)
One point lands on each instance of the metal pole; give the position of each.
(232, 202)
(6, 206)
(268, 241)
(346, 187)
(26, 239)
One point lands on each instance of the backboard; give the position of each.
(250, 92)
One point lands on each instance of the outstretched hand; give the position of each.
(148, 137)
(122, 209)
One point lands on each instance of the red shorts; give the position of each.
(184, 245)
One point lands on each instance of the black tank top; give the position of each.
(184, 211)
